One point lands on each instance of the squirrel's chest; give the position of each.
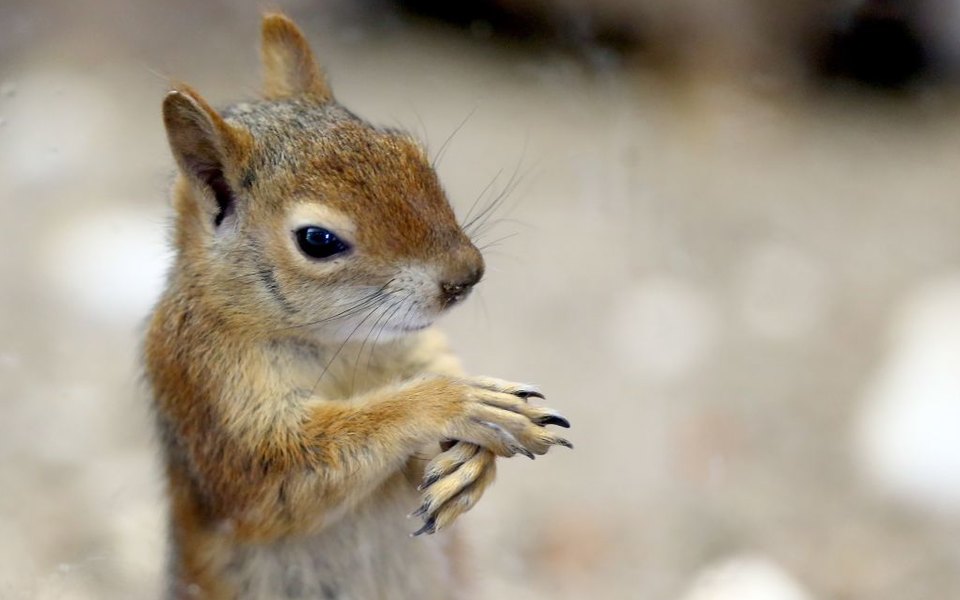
(366, 556)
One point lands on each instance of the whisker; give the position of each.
(378, 327)
(340, 349)
(488, 211)
(403, 319)
(443, 147)
(476, 224)
(482, 194)
(490, 225)
(498, 241)
(360, 305)
(376, 340)
(510, 220)
(356, 364)
(368, 302)
(350, 309)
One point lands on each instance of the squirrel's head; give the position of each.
(292, 213)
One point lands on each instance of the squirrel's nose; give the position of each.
(457, 290)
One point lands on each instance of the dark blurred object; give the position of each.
(482, 17)
(572, 25)
(883, 44)
(877, 46)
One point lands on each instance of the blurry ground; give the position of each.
(745, 297)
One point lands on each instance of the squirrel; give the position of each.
(304, 236)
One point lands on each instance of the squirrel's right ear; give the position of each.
(207, 148)
(289, 68)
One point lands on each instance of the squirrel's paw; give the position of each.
(501, 419)
(452, 484)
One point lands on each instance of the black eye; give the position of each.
(317, 242)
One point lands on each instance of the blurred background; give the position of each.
(728, 249)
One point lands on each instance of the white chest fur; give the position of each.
(367, 555)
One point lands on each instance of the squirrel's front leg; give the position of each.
(456, 479)
(354, 447)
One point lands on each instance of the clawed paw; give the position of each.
(499, 421)
(452, 484)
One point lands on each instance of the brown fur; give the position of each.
(294, 433)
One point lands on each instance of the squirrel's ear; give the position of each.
(206, 147)
(289, 68)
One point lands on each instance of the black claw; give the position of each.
(429, 527)
(530, 394)
(420, 511)
(565, 443)
(428, 481)
(524, 451)
(555, 420)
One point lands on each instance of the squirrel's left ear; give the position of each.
(289, 68)
(209, 151)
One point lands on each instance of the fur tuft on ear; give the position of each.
(205, 146)
(289, 68)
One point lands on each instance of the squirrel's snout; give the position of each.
(456, 290)
(464, 269)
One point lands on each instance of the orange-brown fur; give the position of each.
(293, 444)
